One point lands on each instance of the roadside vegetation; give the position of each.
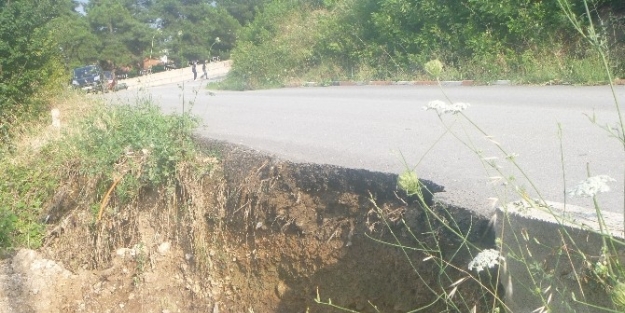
(362, 40)
(31, 70)
(113, 152)
(124, 148)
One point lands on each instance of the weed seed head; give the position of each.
(591, 186)
(485, 259)
(434, 68)
(409, 182)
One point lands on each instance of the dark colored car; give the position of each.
(89, 78)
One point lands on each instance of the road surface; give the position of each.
(384, 128)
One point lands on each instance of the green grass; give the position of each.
(134, 144)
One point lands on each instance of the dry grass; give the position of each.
(31, 136)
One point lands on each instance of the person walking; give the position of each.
(204, 73)
(194, 70)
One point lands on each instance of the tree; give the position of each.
(123, 37)
(243, 11)
(29, 57)
(78, 45)
(190, 29)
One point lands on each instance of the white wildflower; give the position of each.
(442, 107)
(486, 259)
(591, 186)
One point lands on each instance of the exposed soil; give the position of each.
(252, 234)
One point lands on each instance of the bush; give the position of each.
(269, 54)
(30, 66)
(525, 41)
(136, 139)
(135, 146)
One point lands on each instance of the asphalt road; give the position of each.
(384, 128)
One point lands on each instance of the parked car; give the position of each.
(89, 78)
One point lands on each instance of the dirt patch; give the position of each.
(251, 234)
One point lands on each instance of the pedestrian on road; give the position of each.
(194, 70)
(205, 74)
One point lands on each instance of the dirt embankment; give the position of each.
(252, 234)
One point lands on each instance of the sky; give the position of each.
(81, 8)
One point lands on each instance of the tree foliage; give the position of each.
(242, 10)
(29, 57)
(123, 37)
(78, 45)
(527, 40)
(189, 29)
(124, 32)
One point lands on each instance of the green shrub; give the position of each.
(524, 41)
(135, 139)
(30, 66)
(22, 199)
(135, 144)
(271, 53)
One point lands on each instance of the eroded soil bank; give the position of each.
(251, 234)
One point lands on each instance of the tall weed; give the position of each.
(131, 147)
